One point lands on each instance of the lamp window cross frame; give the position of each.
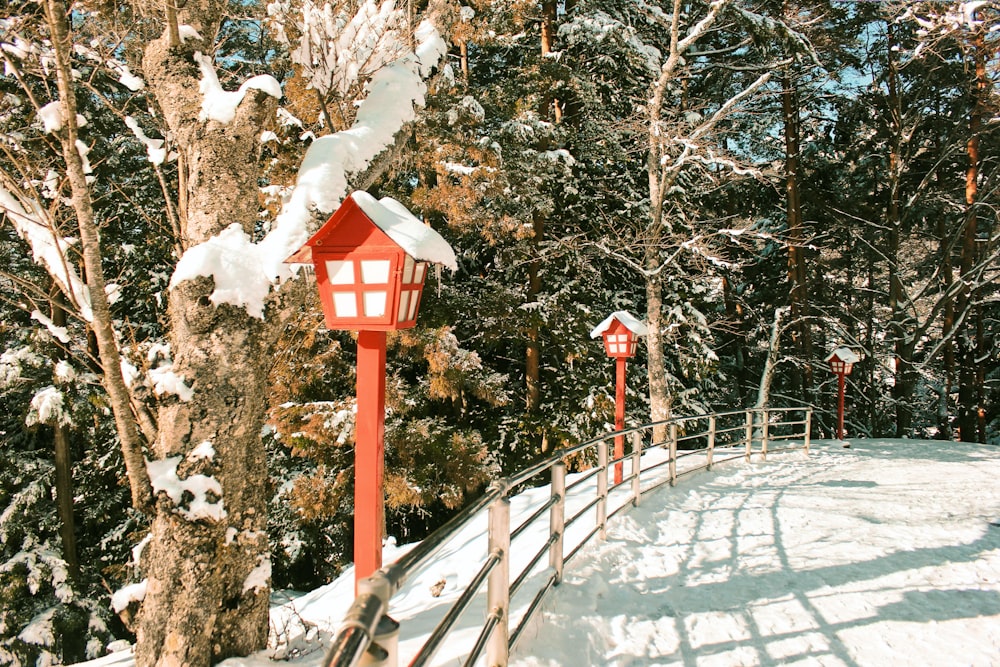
(361, 286)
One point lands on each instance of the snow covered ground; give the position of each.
(886, 553)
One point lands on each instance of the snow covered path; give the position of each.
(886, 553)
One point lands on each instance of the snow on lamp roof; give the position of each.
(392, 218)
(630, 322)
(845, 354)
(415, 238)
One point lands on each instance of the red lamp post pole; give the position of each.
(369, 456)
(619, 415)
(840, 406)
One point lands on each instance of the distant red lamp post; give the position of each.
(371, 259)
(841, 362)
(621, 332)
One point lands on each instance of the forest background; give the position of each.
(759, 180)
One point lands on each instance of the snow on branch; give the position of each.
(59, 333)
(244, 271)
(237, 266)
(155, 152)
(394, 92)
(336, 49)
(690, 142)
(704, 24)
(599, 26)
(47, 407)
(794, 40)
(49, 250)
(220, 105)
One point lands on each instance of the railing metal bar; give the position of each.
(352, 640)
(690, 452)
(588, 506)
(350, 644)
(418, 555)
(692, 436)
(428, 650)
(531, 519)
(787, 436)
(530, 611)
(732, 429)
(582, 544)
(531, 564)
(656, 485)
(688, 471)
(498, 583)
(729, 458)
(477, 648)
(587, 475)
(657, 465)
(626, 505)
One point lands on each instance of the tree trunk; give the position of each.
(208, 577)
(533, 351)
(773, 349)
(64, 463)
(112, 378)
(947, 329)
(799, 293)
(903, 387)
(968, 391)
(659, 396)
(734, 313)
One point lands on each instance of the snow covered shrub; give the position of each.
(44, 617)
(53, 611)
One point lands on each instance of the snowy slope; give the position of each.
(881, 554)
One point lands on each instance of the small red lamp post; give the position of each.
(621, 332)
(841, 362)
(371, 259)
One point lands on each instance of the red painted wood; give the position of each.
(619, 415)
(369, 500)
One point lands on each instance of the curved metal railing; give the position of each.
(691, 444)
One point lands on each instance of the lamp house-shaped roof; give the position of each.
(371, 259)
(621, 332)
(842, 360)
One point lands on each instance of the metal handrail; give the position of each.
(754, 425)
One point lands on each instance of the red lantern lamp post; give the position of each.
(841, 362)
(621, 332)
(371, 260)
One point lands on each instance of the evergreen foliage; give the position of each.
(532, 162)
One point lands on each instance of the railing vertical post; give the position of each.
(765, 418)
(636, 468)
(749, 434)
(809, 414)
(498, 585)
(711, 441)
(557, 519)
(602, 489)
(673, 453)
